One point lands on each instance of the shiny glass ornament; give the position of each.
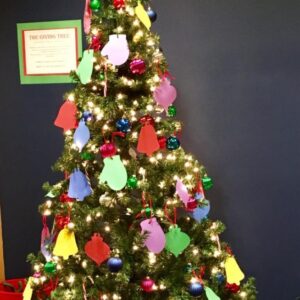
(87, 116)
(195, 289)
(95, 5)
(173, 143)
(114, 264)
(207, 183)
(137, 66)
(87, 156)
(147, 285)
(152, 14)
(118, 4)
(123, 125)
(172, 111)
(132, 182)
(50, 267)
(102, 76)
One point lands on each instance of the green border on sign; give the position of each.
(46, 79)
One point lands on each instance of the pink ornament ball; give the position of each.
(137, 66)
(147, 285)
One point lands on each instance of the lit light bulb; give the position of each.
(71, 97)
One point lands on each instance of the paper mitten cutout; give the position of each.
(201, 212)
(85, 68)
(156, 240)
(142, 15)
(116, 49)
(79, 186)
(65, 244)
(97, 250)
(87, 17)
(210, 294)
(148, 141)
(81, 135)
(114, 173)
(66, 117)
(234, 274)
(177, 241)
(165, 94)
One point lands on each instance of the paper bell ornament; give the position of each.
(28, 291)
(234, 274)
(116, 49)
(81, 135)
(201, 212)
(176, 241)
(141, 13)
(114, 173)
(97, 250)
(65, 244)
(79, 186)
(210, 294)
(165, 94)
(148, 141)
(66, 117)
(156, 240)
(85, 68)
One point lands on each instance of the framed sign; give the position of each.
(49, 51)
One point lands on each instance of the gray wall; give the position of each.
(237, 66)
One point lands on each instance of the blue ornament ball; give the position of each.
(152, 14)
(123, 125)
(115, 264)
(220, 278)
(196, 289)
(173, 143)
(87, 116)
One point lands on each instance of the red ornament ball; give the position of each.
(147, 285)
(147, 120)
(61, 221)
(192, 204)
(162, 142)
(108, 150)
(137, 66)
(232, 288)
(64, 198)
(95, 43)
(118, 4)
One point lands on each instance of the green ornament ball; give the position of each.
(207, 183)
(87, 156)
(95, 5)
(102, 76)
(172, 111)
(148, 212)
(173, 143)
(50, 267)
(132, 182)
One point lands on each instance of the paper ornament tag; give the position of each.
(114, 173)
(87, 16)
(28, 291)
(156, 240)
(79, 186)
(234, 274)
(116, 49)
(210, 294)
(148, 141)
(65, 245)
(142, 15)
(97, 250)
(182, 192)
(81, 135)
(85, 68)
(177, 241)
(201, 212)
(66, 117)
(165, 94)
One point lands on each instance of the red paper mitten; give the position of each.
(66, 117)
(97, 250)
(148, 141)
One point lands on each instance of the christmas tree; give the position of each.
(130, 217)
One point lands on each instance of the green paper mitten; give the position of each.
(85, 68)
(210, 294)
(114, 173)
(176, 241)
